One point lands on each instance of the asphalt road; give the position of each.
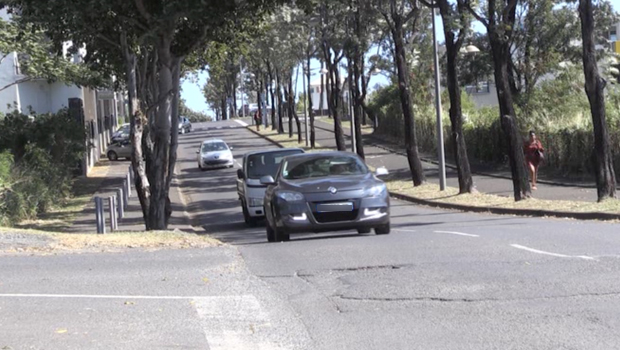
(440, 280)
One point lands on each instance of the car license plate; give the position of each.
(334, 207)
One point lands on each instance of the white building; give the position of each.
(99, 109)
(315, 94)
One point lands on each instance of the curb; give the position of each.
(249, 127)
(490, 210)
(509, 211)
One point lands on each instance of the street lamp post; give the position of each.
(440, 147)
(306, 96)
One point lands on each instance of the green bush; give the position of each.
(38, 156)
(558, 110)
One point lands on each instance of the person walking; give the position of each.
(534, 155)
(257, 120)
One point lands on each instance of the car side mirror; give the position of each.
(382, 171)
(197, 152)
(231, 148)
(267, 180)
(240, 174)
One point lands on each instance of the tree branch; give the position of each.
(18, 81)
(142, 10)
(476, 15)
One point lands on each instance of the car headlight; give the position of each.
(377, 191)
(256, 202)
(227, 156)
(291, 196)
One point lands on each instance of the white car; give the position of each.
(215, 154)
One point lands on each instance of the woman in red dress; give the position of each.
(534, 155)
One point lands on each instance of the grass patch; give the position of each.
(36, 241)
(451, 195)
(366, 129)
(287, 142)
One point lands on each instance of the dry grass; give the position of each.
(366, 129)
(450, 195)
(36, 241)
(287, 142)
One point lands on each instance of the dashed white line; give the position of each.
(241, 122)
(532, 250)
(457, 233)
(99, 296)
(404, 230)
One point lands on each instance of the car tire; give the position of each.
(127, 158)
(182, 131)
(281, 235)
(363, 230)
(247, 218)
(271, 235)
(112, 156)
(383, 229)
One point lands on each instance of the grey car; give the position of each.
(328, 191)
(119, 149)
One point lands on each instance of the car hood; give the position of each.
(218, 154)
(322, 185)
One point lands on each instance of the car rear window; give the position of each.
(323, 166)
(262, 164)
(214, 147)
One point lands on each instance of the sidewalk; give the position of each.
(114, 173)
(492, 182)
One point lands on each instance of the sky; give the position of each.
(192, 88)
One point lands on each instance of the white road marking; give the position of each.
(219, 127)
(238, 164)
(236, 323)
(241, 122)
(99, 296)
(457, 233)
(403, 230)
(550, 253)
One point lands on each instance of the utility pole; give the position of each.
(440, 146)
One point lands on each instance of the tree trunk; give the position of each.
(292, 109)
(310, 109)
(501, 55)
(158, 170)
(322, 92)
(224, 109)
(357, 110)
(174, 133)
(601, 156)
(279, 97)
(334, 79)
(137, 121)
(453, 45)
(362, 66)
(411, 145)
(288, 97)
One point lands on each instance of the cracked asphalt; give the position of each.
(440, 280)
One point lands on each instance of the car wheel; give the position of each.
(127, 158)
(383, 229)
(112, 156)
(182, 131)
(249, 220)
(363, 230)
(271, 235)
(281, 235)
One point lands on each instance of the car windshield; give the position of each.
(214, 147)
(262, 164)
(322, 167)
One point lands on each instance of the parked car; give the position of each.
(329, 191)
(184, 125)
(256, 165)
(121, 134)
(214, 154)
(119, 149)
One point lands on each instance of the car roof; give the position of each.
(272, 150)
(321, 154)
(212, 140)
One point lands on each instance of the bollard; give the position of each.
(129, 179)
(99, 215)
(127, 189)
(120, 194)
(112, 206)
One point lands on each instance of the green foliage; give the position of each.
(192, 115)
(38, 59)
(37, 159)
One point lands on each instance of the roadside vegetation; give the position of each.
(39, 157)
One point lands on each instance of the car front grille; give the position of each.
(341, 216)
(216, 161)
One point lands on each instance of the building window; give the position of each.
(613, 35)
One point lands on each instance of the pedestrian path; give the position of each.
(114, 173)
(491, 182)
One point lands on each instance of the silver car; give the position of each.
(329, 191)
(119, 149)
(185, 125)
(213, 154)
